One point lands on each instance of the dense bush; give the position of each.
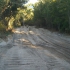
(52, 14)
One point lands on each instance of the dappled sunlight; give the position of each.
(54, 0)
(26, 13)
(24, 40)
(31, 32)
(36, 47)
(32, 1)
(10, 23)
(33, 46)
(19, 32)
(23, 32)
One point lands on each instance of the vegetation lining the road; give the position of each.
(10, 16)
(4, 34)
(50, 14)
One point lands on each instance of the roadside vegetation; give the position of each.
(50, 14)
(10, 15)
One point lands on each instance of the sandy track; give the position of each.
(34, 49)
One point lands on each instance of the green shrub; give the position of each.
(2, 26)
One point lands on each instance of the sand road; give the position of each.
(35, 49)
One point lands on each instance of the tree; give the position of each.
(9, 9)
(53, 14)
